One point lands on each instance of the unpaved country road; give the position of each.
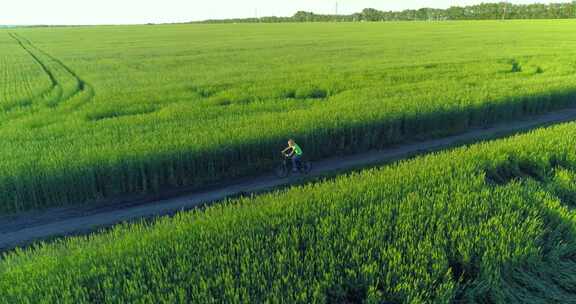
(24, 229)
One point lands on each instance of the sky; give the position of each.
(57, 12)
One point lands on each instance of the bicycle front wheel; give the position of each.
(281, 171)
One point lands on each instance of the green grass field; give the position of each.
(491, 223)
(88, 113)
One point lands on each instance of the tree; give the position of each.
(370, 14)
(482, 11)
(303, 16)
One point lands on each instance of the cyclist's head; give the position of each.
(291, 142)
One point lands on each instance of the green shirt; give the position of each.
(297, 150)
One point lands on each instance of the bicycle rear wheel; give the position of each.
(306, 167)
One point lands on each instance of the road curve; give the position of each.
(27, 228)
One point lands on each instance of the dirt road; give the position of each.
(23, 229)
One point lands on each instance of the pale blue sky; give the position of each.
(20, 12)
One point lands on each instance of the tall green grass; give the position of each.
(138, 109)
(490, 223)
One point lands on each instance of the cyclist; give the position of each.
(294, 152)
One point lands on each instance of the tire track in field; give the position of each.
(54, 85)
(82, 85)
(57, 87)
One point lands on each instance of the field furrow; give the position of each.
(65, 84)
(21, 78)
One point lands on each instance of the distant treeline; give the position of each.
(483, 11)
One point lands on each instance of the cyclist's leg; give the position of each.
(295, 163)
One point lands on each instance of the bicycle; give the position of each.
(284, 169)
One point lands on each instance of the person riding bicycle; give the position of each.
(294, 152)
